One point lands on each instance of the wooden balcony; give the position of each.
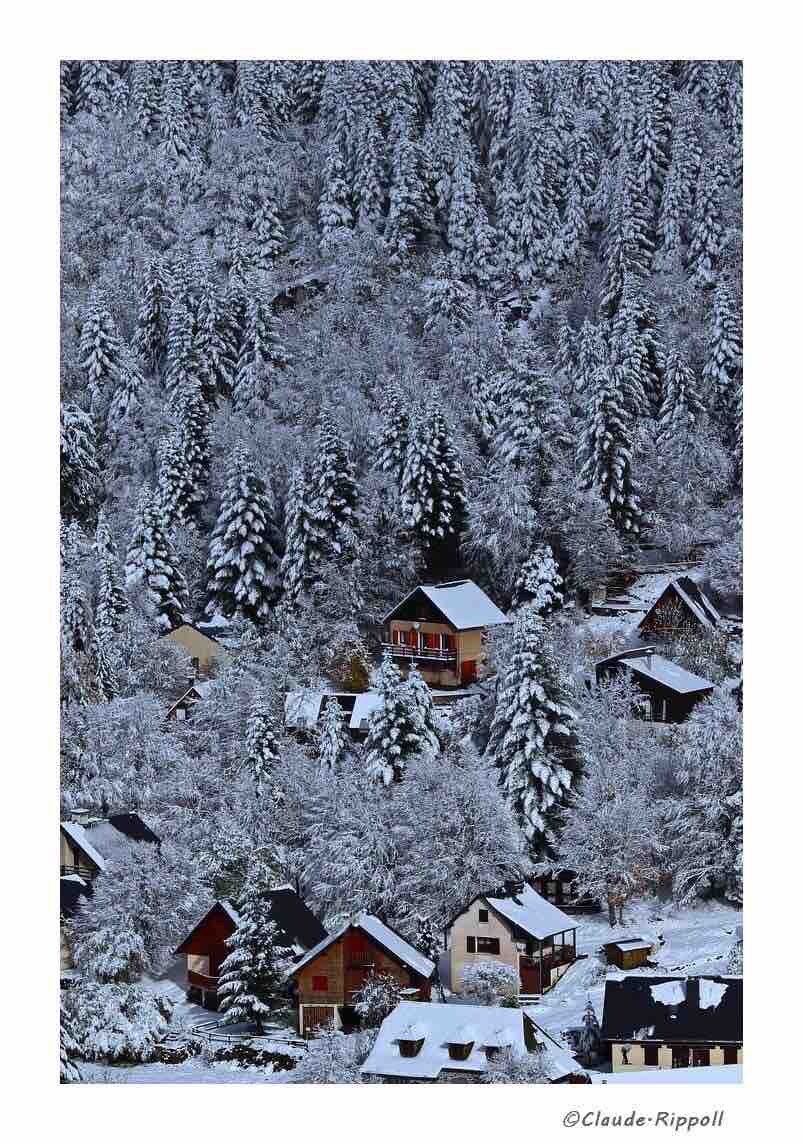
(201, 980)
(406, 651)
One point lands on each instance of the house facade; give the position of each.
(441, 628)
(667, 692)
(672, 1022)
(326, 978)
(681, 606)
(424, 1042)
(205, 946)
(560, 888)
(520, 929)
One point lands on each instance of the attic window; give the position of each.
(483, 915)
(409, 1048)
(459, 1051)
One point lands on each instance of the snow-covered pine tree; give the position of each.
(533, 740)
(331, 737)
(589, 1041)
(261, 357)
(433, 730)
(394, 433)
(723, 361)
(69, 1073)
(395, 730)
(540, 222)
(681, 407)
(80, 477)
(539, 584)
(150, 335)
(447, 300)
(707, 227)
(605, 448)
(152, 561)
(185, 455)
(267, 232)
(253, 973)
(529, 410)
(261, 744)
(370, 178)
(243, 563)
(653, 130)
(433, 496)
(216, 340)
(629, 241)
(94, 90)
(334, 208)
(334, 488)
(101, 356)
(300, 549)
(112, 603)
(407, 210)
(145, 101)
(509, 221)
(175, 125)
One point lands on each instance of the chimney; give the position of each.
(81, 816)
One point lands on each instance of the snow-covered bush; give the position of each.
(489, 982)
(334, 1058)
(116, 1022)
(378, 996)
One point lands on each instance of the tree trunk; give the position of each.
(612, 913)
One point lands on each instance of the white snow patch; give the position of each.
(669, 992)
(711, 993)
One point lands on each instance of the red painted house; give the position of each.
(205, 947)
(327, 977)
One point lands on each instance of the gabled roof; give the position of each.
(392, 942)
(199, 689)
(694, 598)
(99, 840)
(77, 834)
(462, 603)
(687, 1009)
(132, 826)
(188, 624)
(296, 923)
(644, 662)
(438, 1025)
(72, 889)
(527, 912)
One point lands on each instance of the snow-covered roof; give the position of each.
(636, 943)
(439, 1025)
(697, 600)
(532, 913)
(644, 662)
(386, 937)
(462, 602)
(364, 705)
(673, 1009)
(77, 834)
(302, 708)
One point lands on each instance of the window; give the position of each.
(320, 984)
(625, 1054)
(731, 1055)
(488, 945)
(483, 915)
(701, 1057)
(460, 1052)
(470, 945)
(195, 661)
(650, 1054)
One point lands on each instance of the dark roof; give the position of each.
(690, 594)
(132, 826)
(71, 890)
(296, 921)
(632, 1012)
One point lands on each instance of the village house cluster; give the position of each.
(648, 1022)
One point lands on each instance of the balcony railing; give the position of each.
(201, 980)
(406, 651)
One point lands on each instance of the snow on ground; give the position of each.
(191, 1072)
(688, 940)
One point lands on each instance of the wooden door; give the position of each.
(315, 1016)
(680, 1056)
(468, 671)
(529, 975)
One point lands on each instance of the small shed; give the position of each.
(628, 952)
(682, 606)
(668, 691)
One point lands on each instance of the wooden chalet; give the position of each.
(681, 606)
(668, 692)
(518, 928)
(426, 1042)
(205, 946)
(88, 844)
(627, 952)
(202, 643)
(182, 708)
(672, 1022)
(327, 977)
(560, 888)
(441, 628)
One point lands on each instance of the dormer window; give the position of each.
(410, 1048)
(459, 1051)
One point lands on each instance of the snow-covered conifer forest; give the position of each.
(330, 331)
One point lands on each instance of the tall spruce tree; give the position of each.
(433, 496)
(243, 563)
(331, 737)
(112, 603)
(150, 335)
(681, 406)
(253, 973)
(152, 562)
(606, 448)
(261, 357)
(395, 729)
(261, 744)
(533, 741)
(334, 487)
(301, 550)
